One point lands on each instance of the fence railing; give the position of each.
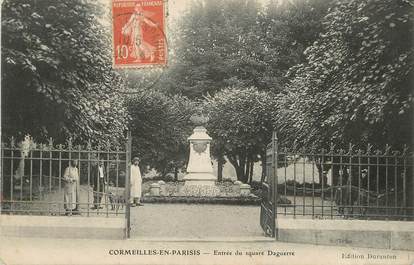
(33, 179)
(352, 183)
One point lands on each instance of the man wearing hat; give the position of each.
(98, 182)
(136, 182)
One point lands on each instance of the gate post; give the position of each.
(127, 185)
(275, 181)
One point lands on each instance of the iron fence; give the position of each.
(33, 181)
(342, 184)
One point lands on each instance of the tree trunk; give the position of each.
(240, 174)
(319, 167)
(335, 171)
(242, 162)
(220, 165)
(263, 159)
(176, 173)
(251, 172)
(235, 163)
(240, 165)
(247, 170)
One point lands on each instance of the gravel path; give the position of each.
(195, 221)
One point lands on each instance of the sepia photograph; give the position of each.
(207, 132)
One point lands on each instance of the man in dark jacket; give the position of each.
(98, 182)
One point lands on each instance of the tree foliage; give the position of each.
(241, 123)
(218, 47)
(285, 30)
(222, 44)
(57, 78)
(240, 43)
(160, 126)
(356, 84)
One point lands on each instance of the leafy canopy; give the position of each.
(241, 123)
(356, 84)
(160, 126)
(57, 78)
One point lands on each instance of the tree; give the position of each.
(357, 82)
(218, 47)
(355, 85)
(160, 126)
(221, 44)
(241, 123)
(217, 151)
(56, 59)
(285, 29)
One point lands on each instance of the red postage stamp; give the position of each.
(138, 33)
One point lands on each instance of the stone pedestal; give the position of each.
(199, 168)
(155, 189)
(163, 188)
(237, 186)
(244, 190)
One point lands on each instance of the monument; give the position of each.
(199, 168)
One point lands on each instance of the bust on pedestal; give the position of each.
(199, 168)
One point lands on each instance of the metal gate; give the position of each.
(33, 179)
(268, 210)
(357, 182)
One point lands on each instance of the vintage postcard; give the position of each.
(207, 132)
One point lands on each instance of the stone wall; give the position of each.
(398, 235)
(62, 227)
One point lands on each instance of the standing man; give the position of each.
(136, 183)
(71, 192)
(364, 192)
(98, 185)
